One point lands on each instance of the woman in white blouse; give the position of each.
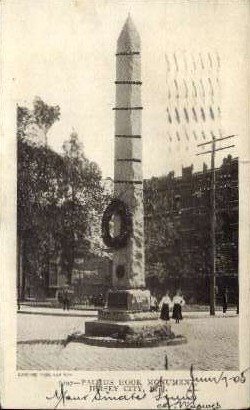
(165, 305)
(178, 302)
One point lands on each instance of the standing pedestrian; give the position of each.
(165, 305)
(65, 299)
(60, 297)
(18, 304)
(153, 304)
(225, 301)
(178, 302)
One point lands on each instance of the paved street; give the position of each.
(212, 344)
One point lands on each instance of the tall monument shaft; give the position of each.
(127, 317)
(128, 262)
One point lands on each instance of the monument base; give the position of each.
(125, 330)
(128, 318)
(128, 322)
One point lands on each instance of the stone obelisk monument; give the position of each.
(128, 261)
(128, 303)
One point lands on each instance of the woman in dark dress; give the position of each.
(178, 302)
(165, 305)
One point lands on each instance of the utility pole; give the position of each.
(213, 215)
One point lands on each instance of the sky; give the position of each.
(64, 52)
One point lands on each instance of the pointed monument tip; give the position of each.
(129, 18)
(129, 24)
(129, 39)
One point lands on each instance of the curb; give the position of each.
(71, 314)
(59, 307)
(111, 343)
(41, 342)
(55, 314)
(207, 316)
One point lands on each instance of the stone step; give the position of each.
(107, 341)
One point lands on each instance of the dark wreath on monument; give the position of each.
(120, 209)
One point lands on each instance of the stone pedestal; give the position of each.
(129, 299)
(128, 316)
(151, 328)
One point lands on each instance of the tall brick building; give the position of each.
(177, 228)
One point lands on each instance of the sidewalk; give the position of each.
(49, 311)
(206, 314)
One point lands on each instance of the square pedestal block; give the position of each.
(131, 299)
(120, 330)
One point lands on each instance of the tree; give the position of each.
(39, 196)
(39, 119)
(39, 192)
(45, 116)
(83, 202)
(24, 119)
(60, 198)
